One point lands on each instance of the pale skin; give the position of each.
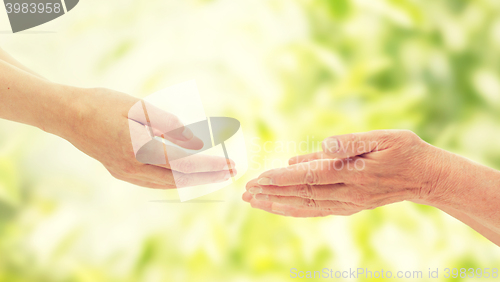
(100, 123)
(363, 171)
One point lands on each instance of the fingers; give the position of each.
(180, 160)
(159, 154)
(159, 121)
(354, 144)
(149, 141)
(194, 143)
(308, 158)
(162, 176)
(304, 203)
(195, 179)
(201, 163)
(163, 124)
(317, 172)
(338, 192)
(285, 210)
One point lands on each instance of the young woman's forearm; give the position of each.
(29, 99)
(4, 56)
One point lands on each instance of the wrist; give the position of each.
(439, 179)
(457, 181)
(62, 111)
(469, 188)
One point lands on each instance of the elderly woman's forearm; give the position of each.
(470, 188)
(473, 223)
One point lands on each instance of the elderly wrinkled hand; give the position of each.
(354, 172)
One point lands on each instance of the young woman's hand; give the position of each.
(104, 122)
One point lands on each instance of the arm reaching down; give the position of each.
(100, 122)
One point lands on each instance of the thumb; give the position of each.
(355, 144)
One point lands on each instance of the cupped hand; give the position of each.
(102, 127)
(354, 172)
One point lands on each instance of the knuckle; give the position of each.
(407, 136)
(311, 203)
(385, 137)
(348, 143)
(311, 177)
(408, 133)
(305, 191)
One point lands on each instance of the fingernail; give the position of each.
(331, 144)
(255, 190)
(265, 181)
(187, 133)
(277, 208)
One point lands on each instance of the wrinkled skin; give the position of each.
(354, 172)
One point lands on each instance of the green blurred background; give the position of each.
(290, 71)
